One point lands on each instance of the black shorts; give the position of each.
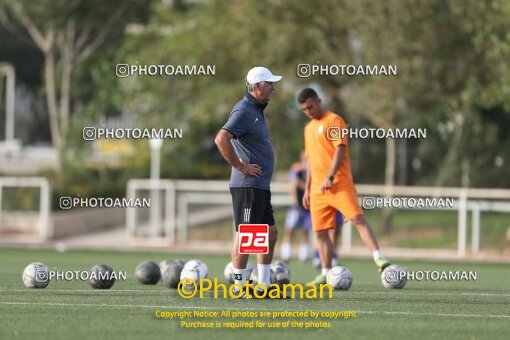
(252, 206)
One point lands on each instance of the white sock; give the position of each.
(377, 254)
(240, 276)
(285, 252)
(325, 271)
(303, 252)
(264, 274)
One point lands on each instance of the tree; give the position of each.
(67, 33)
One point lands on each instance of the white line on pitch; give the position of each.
(237, 308)
(485, 294)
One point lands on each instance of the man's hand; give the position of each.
(326, 185)
(250, 169)
(306, 199)
(222, 140)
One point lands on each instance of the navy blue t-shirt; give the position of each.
(251, 142)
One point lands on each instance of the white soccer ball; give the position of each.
(281, 272)
(339, 277)
(36, 275)
(229, 271)
(194, 270)
(255, 276)
(394, 277)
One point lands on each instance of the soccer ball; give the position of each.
(36, 275)
(339, 277)
(255, 277)
(101, 276)
(148, 273)
(394, 277)
(165, 263)
(195, 270)
(172, 273)
(281, 272)
(229, 271)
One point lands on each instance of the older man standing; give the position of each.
(244, 143)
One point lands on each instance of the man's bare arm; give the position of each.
(338, 159)
(222, 140)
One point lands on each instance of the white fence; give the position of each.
(178, 216)
(169, 217)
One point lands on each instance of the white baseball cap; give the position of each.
(259, 74)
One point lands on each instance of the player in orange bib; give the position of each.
(329, 186)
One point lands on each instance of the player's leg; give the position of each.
(323, 219)
(324, 245)
(286, 249)
(291, 221)
(239, 261)
(303, 248)
(242, 202)
(305, 221)
(264, 214)
(346, 201)
(335, 236)
(368, 237)
(334, 256)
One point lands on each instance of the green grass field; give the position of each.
(73, 310)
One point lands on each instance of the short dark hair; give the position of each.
(306, 94)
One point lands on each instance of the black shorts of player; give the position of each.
(252, 206)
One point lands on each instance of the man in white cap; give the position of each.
(244, 143)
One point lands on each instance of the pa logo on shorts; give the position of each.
(253, 238)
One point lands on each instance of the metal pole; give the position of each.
(9, 111)
(8, 70)
(131, 212)
(154, 212)
(461, 242)
(475, 236)
(1, 193)
(45, 206)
